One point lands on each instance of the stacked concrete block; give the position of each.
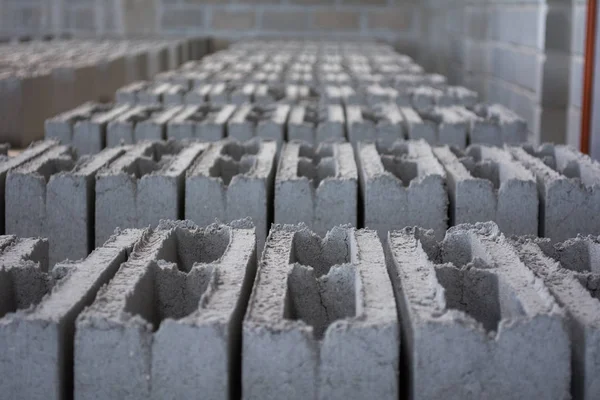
(252, 120)
(317, 186)
(233, 180)
(570, 271)
(472, 303)
(178, 300)
(452, 125)
(407, 81)
(70, 205)
(321, 322)
(402, 185)
(24, 280)
(316, 123)
(143, 186)
(487, 184)
(510, 128)
(90, 126)
(138, 123)
(38, 340)
(382, 122)
(376, 94)
(151, 93)
(343, 94)
(199, 95)
(7, 164)
(26, 212)
(417, 127)
(204, 122)
(568, 187)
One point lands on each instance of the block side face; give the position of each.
(25, 205)
(158, 197)
(278, 364)
(31, 364)
(125, 370)
(336, 204)
(202, 349)
(115, 205)
(70, 218)
(360, 361)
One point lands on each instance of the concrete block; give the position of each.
(458, 96)
(252, 120)
(344, 95)
(143, 186)
(89, 132)
(180, 282)
(376, 94)
(315, 123)
(402, 185)
(486, 184)
(198, 95)
(8, 164)
(201, 122)
(404, 82)
(233, 180)
(26, 188)
(24, 281)
(452, 124)
(317, 186)
(382, 123)
(138, 123)
(40, 338)
(568, 187)
(70, 204)
(513, 128)
(321, 322)
(470, 302)
(416, 127)
(569, 270)
(62, 126)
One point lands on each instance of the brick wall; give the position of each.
(525, 54)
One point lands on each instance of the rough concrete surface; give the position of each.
(317, 186)
(233, 180)
(321, 320)
(180, 282)
(475, 318)
(402, 185)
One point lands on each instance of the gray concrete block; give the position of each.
(252, 120)
(233, 180)
(513, 128)
(8, 164)
(62, 126)
(40, 338)
(470, 302)
(201, 122)
(316, 124)
(89, 133)
(321, 321)
(24, 280)
(452, 124)
(143, 186)
(382, 123)
(343, 95)
(198, 95)
(26, 188)
(70, 204)
(317, 186)
(404, 82)
(376, 94)
(486, 184)
(458, 96)
(416, 127)
(402, 185)
(138, 123)
(570, 272)
(568, 187)
(181, 282)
